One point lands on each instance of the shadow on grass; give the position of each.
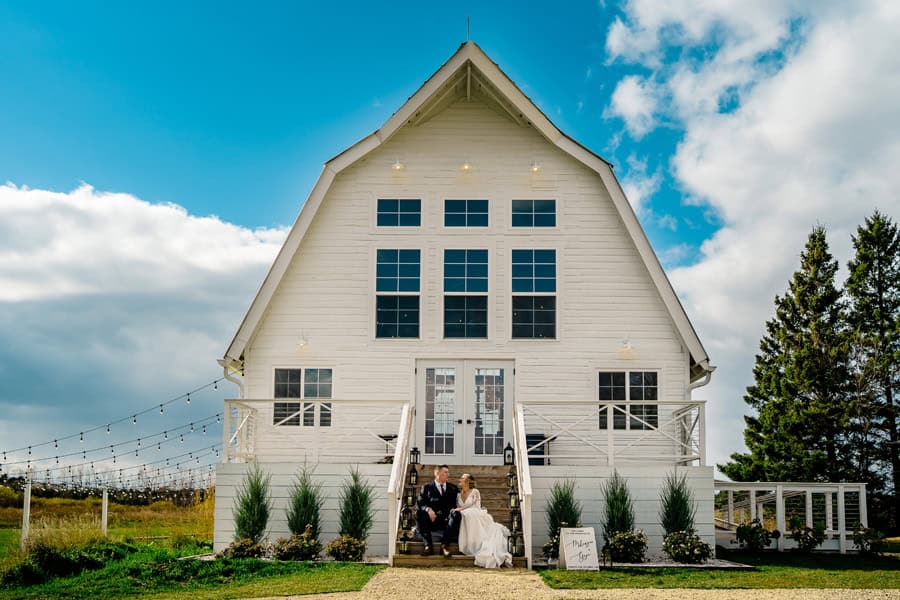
(829, 562)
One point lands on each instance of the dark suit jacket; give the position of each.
(430, 497)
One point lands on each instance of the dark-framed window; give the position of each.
(534, 213)
(308, 386)
(465, 293)
(397, 284)
(534, 293)
(633, 387)
(465, 213)
(399, 213)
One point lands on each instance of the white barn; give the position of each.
(464, 278)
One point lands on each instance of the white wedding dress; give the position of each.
(480, 536)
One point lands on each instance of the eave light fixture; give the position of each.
(535, 166)
(466, 166)
(398, 166)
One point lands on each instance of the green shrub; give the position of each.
(252, 506)
(357, 514)
(297, 547)
(676, 505)
(867, 540)
(244, 548)
(9, 498)
(562, 510)
(618, 516)
(628, 546)
(806, 538)
(346, 548)
(686, 547)
(44, 560)
(305, 504)
(753, 536)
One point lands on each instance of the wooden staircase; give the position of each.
(491, 482)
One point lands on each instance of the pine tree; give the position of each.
(874, 289)
(800, 393)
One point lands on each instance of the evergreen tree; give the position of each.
(802, 378)
(874, 289)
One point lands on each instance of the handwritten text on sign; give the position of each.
(578, 549)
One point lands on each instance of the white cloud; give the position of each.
(635, 100)
(639, 185)
(109, 304)
(814, 138)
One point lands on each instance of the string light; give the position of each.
(134, 420)
(55, 444)
(188, 398)
(81, 437)
(107, 429)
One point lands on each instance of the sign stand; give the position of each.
(578, 549)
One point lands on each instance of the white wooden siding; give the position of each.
(605, 293)
(230, 476)
(644, 483)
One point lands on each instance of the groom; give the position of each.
(433, 508)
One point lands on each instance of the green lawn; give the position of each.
(783, 570)
(156, 573)
(9, 539)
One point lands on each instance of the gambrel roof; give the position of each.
(469, 71)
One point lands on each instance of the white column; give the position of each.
(779, 515)
(610, 436)
(842, 525)
(829, 513)
(226, 431)
(809, 509)
(752, 505)
(740, 516)
(863, 509)
(702, 409)
(730, 508)
(26, 510)
(104, 512)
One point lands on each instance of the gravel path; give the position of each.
(520, 584)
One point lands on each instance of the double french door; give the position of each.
(463, 411)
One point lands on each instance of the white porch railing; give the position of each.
(570, 432)
(837, 506)
(398, 476)
(359, 431)
(524, 476)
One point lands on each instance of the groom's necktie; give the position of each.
(442, 489)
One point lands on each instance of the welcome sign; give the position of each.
(578, 549)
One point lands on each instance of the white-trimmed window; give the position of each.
(466, 213)
(465, 293)
(394, 212)
(534, 293)
(631, 387)
(397, 284)
(534, 213)
(305, 388)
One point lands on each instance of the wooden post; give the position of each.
(26, 510)
(753, 505)
(104, 511)
(863, 509)
(779, 515)
(829, 513)
(809, 509)
(730, 508)
(842, 525)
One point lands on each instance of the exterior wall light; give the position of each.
(398, 166)
(466, 166)
(535, 166)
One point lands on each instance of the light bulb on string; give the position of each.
(158, 446)
(107, 428)
(204, 430)
(55, 444)
(217, 418)
(192, 427)
(215, 385)
(29, 450)
(139, 442)
(160, 409)
(188, 399)
(134, 420)
(181, 435)
(165, 435)
(111, 450)
(81, 437)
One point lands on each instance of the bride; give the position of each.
(479, 535)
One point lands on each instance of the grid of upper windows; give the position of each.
(399, 213)
(397, 284)
(302, 385)
(465, 213)
(534, 213)
(533, 271)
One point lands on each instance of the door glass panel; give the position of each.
(440, 409)
(489, 414)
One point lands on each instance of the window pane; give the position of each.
(309, 414)
(465, 270)
(534, 213)
(397, 270)
(325, 414)
(534, 271)
(534, 317)
(399, 213)
(466, 213)
(287, 383)
(409, 220)
(286, 413)
(397, 316)
(465, 316)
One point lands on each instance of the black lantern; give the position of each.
(414, 456)
(410, 496)
(508, 455)
(413, 477)
(513, 498)
(404, 543)
(515, 520)
(512, 480)
(516, 545)
(406, 518)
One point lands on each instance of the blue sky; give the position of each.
(152, 156)
(231, 111)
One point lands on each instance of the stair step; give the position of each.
(436, 562)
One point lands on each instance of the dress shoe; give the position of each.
(427, 550)
(445, 550)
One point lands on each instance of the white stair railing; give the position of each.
(524, 476)
(398, 476)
